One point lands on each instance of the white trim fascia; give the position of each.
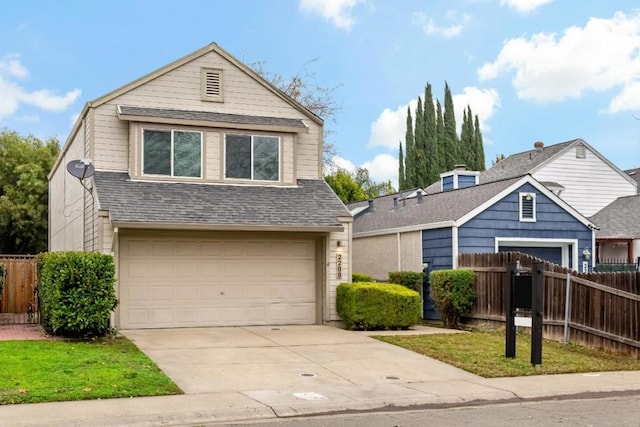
(221, 227)
(593, 250)
(454, 247)
(544, 243)
(419, 227)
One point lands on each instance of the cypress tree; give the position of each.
(440, 163)
(409, 158)
(452, 152)
(401, 182)
(479, 143)
(467, 144)
(420, 148)
(431, 147)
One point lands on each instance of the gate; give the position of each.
(19, 295)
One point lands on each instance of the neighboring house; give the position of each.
(208, 191)
(635, 174)
(574, 170)
(618, 237)
(403, 231)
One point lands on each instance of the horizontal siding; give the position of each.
(331, 313)
(502, 220)
(437, 248)
(590, 183)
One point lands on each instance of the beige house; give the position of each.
(208, 192)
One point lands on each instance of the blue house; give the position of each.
(412, 230)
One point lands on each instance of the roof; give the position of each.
(126, 111)
(309, 206)
(433, 209)
(620, 219)
(634, 173)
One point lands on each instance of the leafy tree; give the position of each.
(479, 145)
(451, 144)
(431, 146)
(371, 188)
(441, 166)
(410, 166)
(420, 152)
(401, 179)
(345, 187)
(24, 192)
(467, 155)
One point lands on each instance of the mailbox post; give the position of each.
(525, 291)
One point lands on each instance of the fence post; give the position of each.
(567, 309)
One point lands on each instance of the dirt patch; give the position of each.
(22, 332)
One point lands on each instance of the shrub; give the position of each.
(370, 306)
(77, 293)
(410, 279)
(452, 291)
(361, 277)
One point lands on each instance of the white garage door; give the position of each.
(169, 281)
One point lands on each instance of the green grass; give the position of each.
(48, 371)
(482, 353)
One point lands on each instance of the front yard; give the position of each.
(47, 371)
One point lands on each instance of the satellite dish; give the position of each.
(81, 169)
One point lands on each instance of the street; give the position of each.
(615, 411)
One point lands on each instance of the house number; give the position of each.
(338, 266)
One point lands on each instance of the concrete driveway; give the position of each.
(259, 359)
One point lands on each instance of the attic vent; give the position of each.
(581, 152)
(211, 84)
(527, 207)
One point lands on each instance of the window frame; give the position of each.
(172, 131)
(521, 198)
(252, 137)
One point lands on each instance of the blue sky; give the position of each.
(532, 70)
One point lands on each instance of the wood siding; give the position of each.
(590, 183)
(180, 89)
(331, 275)
(437, 248)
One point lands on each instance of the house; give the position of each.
(635, 174)
(618, 236)
(208, 192)
(405, 231)
(573, 170)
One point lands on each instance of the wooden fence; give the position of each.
(603, 308)
(19, 302)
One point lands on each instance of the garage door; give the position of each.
(185, 281)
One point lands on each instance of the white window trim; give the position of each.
(224, 159)
(533, 242)
(172, 175)
(520, 197)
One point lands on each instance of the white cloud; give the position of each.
(14, 94)
(430, 27)
(525, 6)
(602, 55)
(383, 167)
(338, 162)
(390, 126)
(336, 11)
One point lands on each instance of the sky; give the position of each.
(532, 70)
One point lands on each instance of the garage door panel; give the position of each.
(166, 282)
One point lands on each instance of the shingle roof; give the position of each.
(209, 116)
(634, 173)
(619, 219)
(443, 206)
(310, 205)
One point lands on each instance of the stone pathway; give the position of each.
(22, 332)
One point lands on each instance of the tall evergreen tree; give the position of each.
(401, 181)
(479, 143)
(420, 136)
(410, 156)
(441, 143)
(452, 152)
(431, 147)
(466, 141)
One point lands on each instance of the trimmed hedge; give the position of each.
(410, 279)
(361, 277)
(373, 306)
(453, 293)
(77, 293)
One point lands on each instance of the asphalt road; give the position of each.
(614, 411)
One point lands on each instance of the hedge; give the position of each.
(77, 293)
(361, 277)
(453, 293)
(372, 306)
(411, 279)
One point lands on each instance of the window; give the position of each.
(211, 85)
(252, 157)
(172, 153)
(527, 207)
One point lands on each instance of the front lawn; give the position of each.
(47, 371)
(482, 353)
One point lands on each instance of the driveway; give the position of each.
(309, 359)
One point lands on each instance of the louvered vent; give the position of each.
(527, 207)
(581, 152)
(211, 84)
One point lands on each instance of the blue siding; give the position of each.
(447, 183)
(437, 248)
(466, 181)
(502, 220)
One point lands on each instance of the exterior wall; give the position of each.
(376, 255)
(410, 258)
(180, 89)
(502, 220)
(335, 274)
(437, 248)
(590, 183)
(66, 201)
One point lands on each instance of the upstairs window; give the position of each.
(172, 153)
(527, 207)
(252, 157)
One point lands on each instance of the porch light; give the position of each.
(586, 255)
